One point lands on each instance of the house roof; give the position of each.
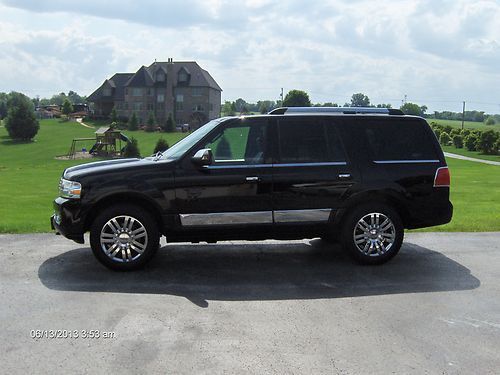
(144, 77)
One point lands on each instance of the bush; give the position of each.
(21, 123)
(444, 139)
(437, 132)
(448, 129)
(133, 123)
(470, 142)
(169, 124)
(465, 132)
(486, 142)
(161, 146)
(458, 141)
(455, 131)
(132, 149)
(489, 121)
(150, 127)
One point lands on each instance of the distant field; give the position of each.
(29, 175)
(467, 124)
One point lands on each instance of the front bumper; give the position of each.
(67, 219)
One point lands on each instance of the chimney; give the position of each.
(170, 87)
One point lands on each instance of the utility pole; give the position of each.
(463, 114)
(281, 96)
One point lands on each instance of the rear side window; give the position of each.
(308, 141)
(399, 140)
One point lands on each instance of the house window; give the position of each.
(183, 76)
(150, 92)
(196, 91)
(138, 106)
(198, 108)
(150, 106)
(160, 98)
(160, 77)
(179, 102)
(106, 92)
(136, 91)
(126, 105)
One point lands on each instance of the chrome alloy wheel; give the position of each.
(123, 238)
(374, 234)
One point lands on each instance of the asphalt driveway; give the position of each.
(243, 307)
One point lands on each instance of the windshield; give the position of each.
(178, 149)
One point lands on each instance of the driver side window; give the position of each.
(241, 142)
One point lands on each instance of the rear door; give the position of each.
(311, 171)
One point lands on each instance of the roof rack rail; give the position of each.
(344, 110)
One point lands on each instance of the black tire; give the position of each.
(373, 242)
(140, 237)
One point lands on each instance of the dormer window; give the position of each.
(106, 91)
(183, 77)
(160, 76)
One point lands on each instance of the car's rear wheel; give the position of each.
(373, 234)
(124, 237)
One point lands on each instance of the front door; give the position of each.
(236, 189)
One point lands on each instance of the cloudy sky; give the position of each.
(437, 53)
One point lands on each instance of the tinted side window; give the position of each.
(399, 140)
(308, 141)
(242, 142)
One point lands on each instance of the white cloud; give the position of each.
(438, 53)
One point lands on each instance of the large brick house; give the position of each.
(181, 88)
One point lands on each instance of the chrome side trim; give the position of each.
(311, 164)
(227, 218)
(404, 161)
(238, 166)
(294, 216)
(246, 166)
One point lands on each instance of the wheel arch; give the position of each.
(387, 197)
(128, 198)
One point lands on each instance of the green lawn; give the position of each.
(467, 124)
(29, 175)
(471, 154)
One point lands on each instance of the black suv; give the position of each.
(357, 175)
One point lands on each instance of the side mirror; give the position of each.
(203, 157)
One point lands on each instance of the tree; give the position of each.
(161, 146)
(444, 139)
(470, 142)
(3, 105)
(133, 123)
(490, 121)
(486, 142)
(413, 109)
(67, 107)
(132, 149)
(458, 141)
(228, 109)
(360, 100)
(240, 104)
(297, 98)
(21, 123)
(150, 125)
(383, 105)
(113, 116)
(169, 124)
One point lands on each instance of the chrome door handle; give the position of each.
(344, 176)
(253, 179)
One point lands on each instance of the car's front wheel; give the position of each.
(373, 234)
(124, 237)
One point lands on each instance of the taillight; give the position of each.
(442, 178)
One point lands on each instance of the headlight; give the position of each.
(69, 189)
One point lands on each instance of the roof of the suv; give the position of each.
(335, 110)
